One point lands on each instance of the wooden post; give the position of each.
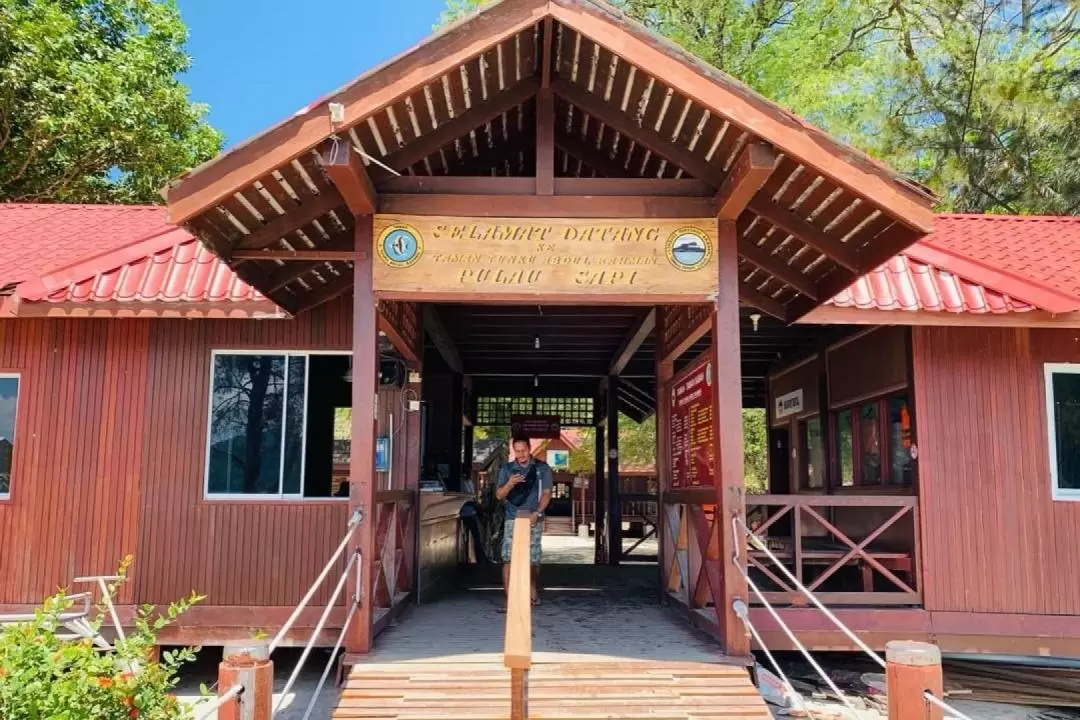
(727, 369)
(457, 417)
(599, 497)
(545, 142)
(365, 344)
(913, 668)
(246, 664)
(665, 370)
(614, 504)
(517, 651)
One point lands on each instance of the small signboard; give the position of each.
(558, 459)
(693, 428)
(788, 404)
(535, 427)
(382, 454)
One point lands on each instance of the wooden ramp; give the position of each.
(561, 687)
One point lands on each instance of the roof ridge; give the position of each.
(1008, 218)
(1032, 291)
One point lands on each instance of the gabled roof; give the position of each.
(115, 260)
(627, 105)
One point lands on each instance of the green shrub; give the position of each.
(44, 677)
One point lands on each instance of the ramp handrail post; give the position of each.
(246, 664)
(517, 651)
(913, 669)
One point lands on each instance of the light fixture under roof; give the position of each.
(536, 342)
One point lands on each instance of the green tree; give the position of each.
(979, 99)
(91, 108)
(755, 450)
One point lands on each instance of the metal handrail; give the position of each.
(214, 705)
(354, 522)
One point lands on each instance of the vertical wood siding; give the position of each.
(993, 540)
(109, 460)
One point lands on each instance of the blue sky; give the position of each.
(256, 63)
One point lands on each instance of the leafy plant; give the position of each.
(45, 676)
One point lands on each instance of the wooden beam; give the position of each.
(681, 187)
(762, 302)
(775, 266)
(637, 335)
(311, 209)
(332, 289)
(292, 270)
(545, 142)
(315, 255)
(398, 341)
(346, 170)
(610, 115)
(460, 126)
(547, 34)
(450, 185)
(547, 207)
(813, 236)
(688, 340)
(372, 91)
(753, 167)
(727, 98)
(592, 187)
(591, 156)
(441, 338)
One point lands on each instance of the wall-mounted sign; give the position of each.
(535, 426)
(693, 430)
(419, 254)
(558, 459)
(788, 404)
(382, 454)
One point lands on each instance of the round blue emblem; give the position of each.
(400, 245)
(689, 248)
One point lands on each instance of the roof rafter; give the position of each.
(761, 301)
(279, 227)
(746, 176)
(809, 234)
(345, 169)
(591, 156)
(595, 106)
(775, 266)
(632, 342)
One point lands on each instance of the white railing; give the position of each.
(738, 525)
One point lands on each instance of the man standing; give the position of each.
(524, 484)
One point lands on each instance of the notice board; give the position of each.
(693, 426)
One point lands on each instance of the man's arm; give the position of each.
(547, 482)
(504, 486)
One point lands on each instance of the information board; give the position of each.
(535, 427)
(693, 430)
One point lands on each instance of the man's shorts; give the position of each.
(534, 541)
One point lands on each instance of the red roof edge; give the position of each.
(1022, 288)
(38, 288)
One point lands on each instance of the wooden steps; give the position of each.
(461, 689)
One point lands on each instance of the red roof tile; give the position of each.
(979, 264)
(117, 254)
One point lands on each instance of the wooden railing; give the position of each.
(517, 651)
(391, 580)
(846, 549)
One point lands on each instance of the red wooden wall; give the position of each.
(109, 455)
(993, 540)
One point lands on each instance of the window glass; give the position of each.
(813, 454)
(245, 424)
(869, 445)
(9, 396)
(845, 448)
(901, 468)
(292, 467)
(1066, 399)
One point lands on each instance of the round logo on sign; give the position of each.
(400, 245)
(689, 249)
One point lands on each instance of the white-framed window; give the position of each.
(1063, 428)
(9, 400)
(260, 421)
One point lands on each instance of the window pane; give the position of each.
(245, 424)
(1067, 429)
(9, 395)
(869, 445)
(901, 468)
(293, 467)
(845, 451)
(814, 454)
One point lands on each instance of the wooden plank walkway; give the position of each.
(603, 648)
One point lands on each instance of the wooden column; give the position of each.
(545, 142)
(457, 414)
(614, 504)
(365, 374)
(414, 443)
(599, 497)
(913, 668)
(727, 369)
(665, 370)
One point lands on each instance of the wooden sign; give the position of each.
(693, 429)
(788, 404)
(535, 427)
(420, 254)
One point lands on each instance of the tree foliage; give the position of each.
(979, 99)
(91, 109)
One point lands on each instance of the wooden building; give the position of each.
(547, 210)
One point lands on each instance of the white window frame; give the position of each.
(267, 497)
(14, 429)
(1057, 492)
